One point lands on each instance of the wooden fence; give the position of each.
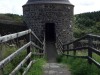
(28, 34)
(92, 46)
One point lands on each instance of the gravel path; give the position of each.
(55, 69)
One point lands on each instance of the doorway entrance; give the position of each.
(50, 37)
(50, 34)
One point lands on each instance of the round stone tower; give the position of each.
(50, 18)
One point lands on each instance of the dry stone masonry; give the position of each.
(37, 13)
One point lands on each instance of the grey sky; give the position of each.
(15, 6)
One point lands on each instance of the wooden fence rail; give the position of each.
(13, 36)
(27, 46)
(89, 48)
(28, 67)
(21, 64)
(13, 55)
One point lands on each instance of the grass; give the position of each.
(6, 50)
(36, 68)
(79, 66)
(96, 57)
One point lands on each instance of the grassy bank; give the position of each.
(36, 68)
(5, 51)
(79, 66)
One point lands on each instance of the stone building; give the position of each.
(50, 18)
(56, 15)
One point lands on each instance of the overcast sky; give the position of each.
(81, 6)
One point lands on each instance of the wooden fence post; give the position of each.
(40, 51)
(67, 49)
(28, 48)
(74, 46)
(63, 49)
(90, 42)
(1, 50)
(1, 71)
(44, 47)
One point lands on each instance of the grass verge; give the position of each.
(79, 66)
(36, 68)
(6, 50)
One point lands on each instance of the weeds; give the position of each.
(80, 66)
(6, 51)
(36, 68)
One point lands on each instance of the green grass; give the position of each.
(36, 68)
(6, 51)
(79, 66)
(96, 57)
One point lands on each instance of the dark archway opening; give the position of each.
(50, 37)
(50, 34)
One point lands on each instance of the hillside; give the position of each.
(84, 23)
(11, 23)
(87, 23)
(10, 18)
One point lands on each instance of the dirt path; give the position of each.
(55, 69)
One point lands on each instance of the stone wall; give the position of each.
(37, 15)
